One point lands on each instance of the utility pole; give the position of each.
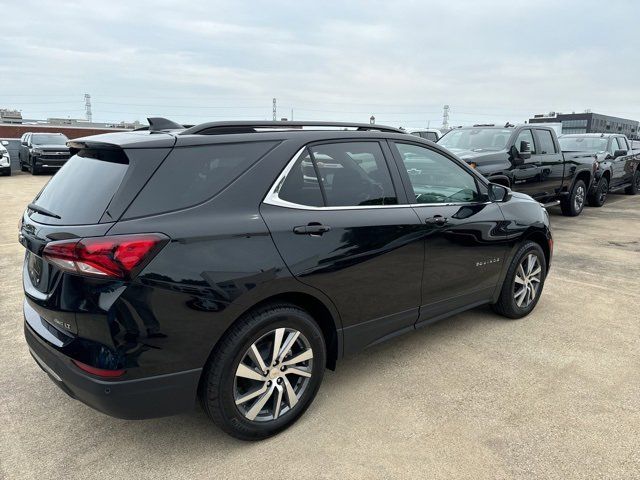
(445, 117)
(275, 111)
(87, 107)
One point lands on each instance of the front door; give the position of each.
(464, 234)
(341, 222)
(526, 176)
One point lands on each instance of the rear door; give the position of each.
(463, 233)
(339, 217)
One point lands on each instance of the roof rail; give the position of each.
(221, 128)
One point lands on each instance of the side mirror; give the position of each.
(515, 157)
(5, 143)
(23, 143)
(498, 193)
(525, 150)
(619, 153)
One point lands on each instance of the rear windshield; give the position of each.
(48, 139)
(192, 175)
(81, 191)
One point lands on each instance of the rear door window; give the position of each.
(622, 143)
(546, 142)
(354, 174)
(344, 174)
(83, 188)
(191, 175)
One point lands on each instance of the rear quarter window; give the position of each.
(192, 175)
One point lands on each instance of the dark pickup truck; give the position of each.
(42, 151)
(527, 159)
(618, 162)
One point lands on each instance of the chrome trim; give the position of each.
(272, 198)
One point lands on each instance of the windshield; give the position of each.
(476, 139)
(583, 144)
(48, 139)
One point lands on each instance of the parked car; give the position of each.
(618, 163)
(528, 159)
(42, 151)
(5, 159)
(432, 134)
(214, 263)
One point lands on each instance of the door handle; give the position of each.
(438, 220)
(311, 229)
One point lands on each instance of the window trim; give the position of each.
(272, 197)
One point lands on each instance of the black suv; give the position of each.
(232, 262)
(41, 152)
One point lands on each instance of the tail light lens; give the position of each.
(118, 256)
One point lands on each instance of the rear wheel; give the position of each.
(264, 373)
(634, 188)
(572, 205)
(523, 284)
(597, 198)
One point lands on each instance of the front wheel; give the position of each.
(597, 198)
(264, 373)
(634, 188)
(523, 284)
(572, 205)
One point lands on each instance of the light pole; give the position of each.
(372, 120)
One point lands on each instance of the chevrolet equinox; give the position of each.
(232, 262)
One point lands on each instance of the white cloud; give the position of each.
(495, 60)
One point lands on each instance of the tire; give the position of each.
(23, 167)
(573, 205)
(511, 303)
(597, 198)
(223, 388)
(33, 168)
(634, 188)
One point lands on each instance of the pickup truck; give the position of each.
(618, 162)
(527, 159)
(42, 151)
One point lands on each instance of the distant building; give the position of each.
(10, 116)
(589, 122)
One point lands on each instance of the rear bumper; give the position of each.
(150, 397)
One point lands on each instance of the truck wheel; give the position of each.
(523, 284)
(597, 198)
(23, 167)
(634, 188)
(264, 373)
(33, 168)
(573, 204)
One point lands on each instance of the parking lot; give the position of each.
(555, 395)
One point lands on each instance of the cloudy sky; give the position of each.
(491, 61)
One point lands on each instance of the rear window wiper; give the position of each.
(43, 211)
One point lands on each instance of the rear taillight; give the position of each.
(118, 256)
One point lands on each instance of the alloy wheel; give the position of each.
(578, 200)
(273, 374)
(527, 281)
(603, 190)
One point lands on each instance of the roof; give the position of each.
(605, 135)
